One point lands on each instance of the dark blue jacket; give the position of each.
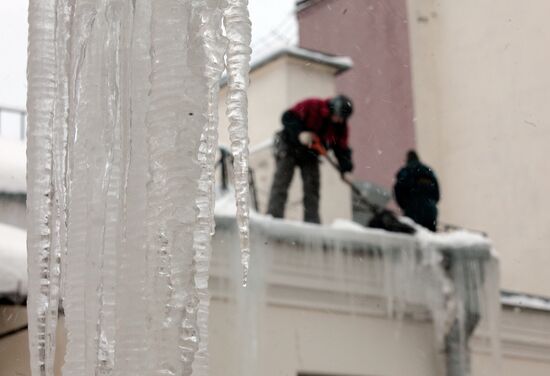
(417, 192)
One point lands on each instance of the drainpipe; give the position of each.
(457, 352)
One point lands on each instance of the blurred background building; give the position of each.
(466, 84)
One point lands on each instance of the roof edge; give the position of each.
(304, 4)
(339, 63)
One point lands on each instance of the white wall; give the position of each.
(481, 90)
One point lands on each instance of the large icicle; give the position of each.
(43, 253)
(133, 293)
(177, 118)
(209, 15)
(123, 119)
(238, 29)
(96, 184)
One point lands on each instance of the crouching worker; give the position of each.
(312, 120)
(417, 192)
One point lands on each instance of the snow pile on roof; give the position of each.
(461, 242)
(13, 261)
(462, 239)
(13, 161)
(225, 204)
(344, 224)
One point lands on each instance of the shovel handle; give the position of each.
(318, 146)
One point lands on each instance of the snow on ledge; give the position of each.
(462, 244)
(13, 167)
(461, 241)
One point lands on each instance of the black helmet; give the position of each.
(341, 106)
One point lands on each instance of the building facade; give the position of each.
(467, 85)
(375, 34)
(481, 89)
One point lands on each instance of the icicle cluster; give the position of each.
(122, 135)
(42, 234)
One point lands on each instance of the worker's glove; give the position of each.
(306, 138)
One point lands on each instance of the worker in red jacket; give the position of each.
(311, 120)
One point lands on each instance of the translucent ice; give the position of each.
(47, 157)
(237, 26)
(122, 137)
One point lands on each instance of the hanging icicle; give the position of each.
(122, 131)
(237, 25)
(214, 49)
(43, 254)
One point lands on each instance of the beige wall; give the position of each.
(291, 341)
(274, 88)
(321, 342)
(14, 350)
(328, 342)
(313, 311)
(525, 345)
(481, 90)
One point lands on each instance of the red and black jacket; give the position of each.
(314, 115)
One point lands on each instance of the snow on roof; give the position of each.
(13, 161)
(459, 238)
(525, 301)
(13, 261)
(341, 63)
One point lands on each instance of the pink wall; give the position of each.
(375, 35)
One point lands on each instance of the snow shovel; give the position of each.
(383, 218)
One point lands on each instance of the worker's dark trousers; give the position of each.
(286, 161)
